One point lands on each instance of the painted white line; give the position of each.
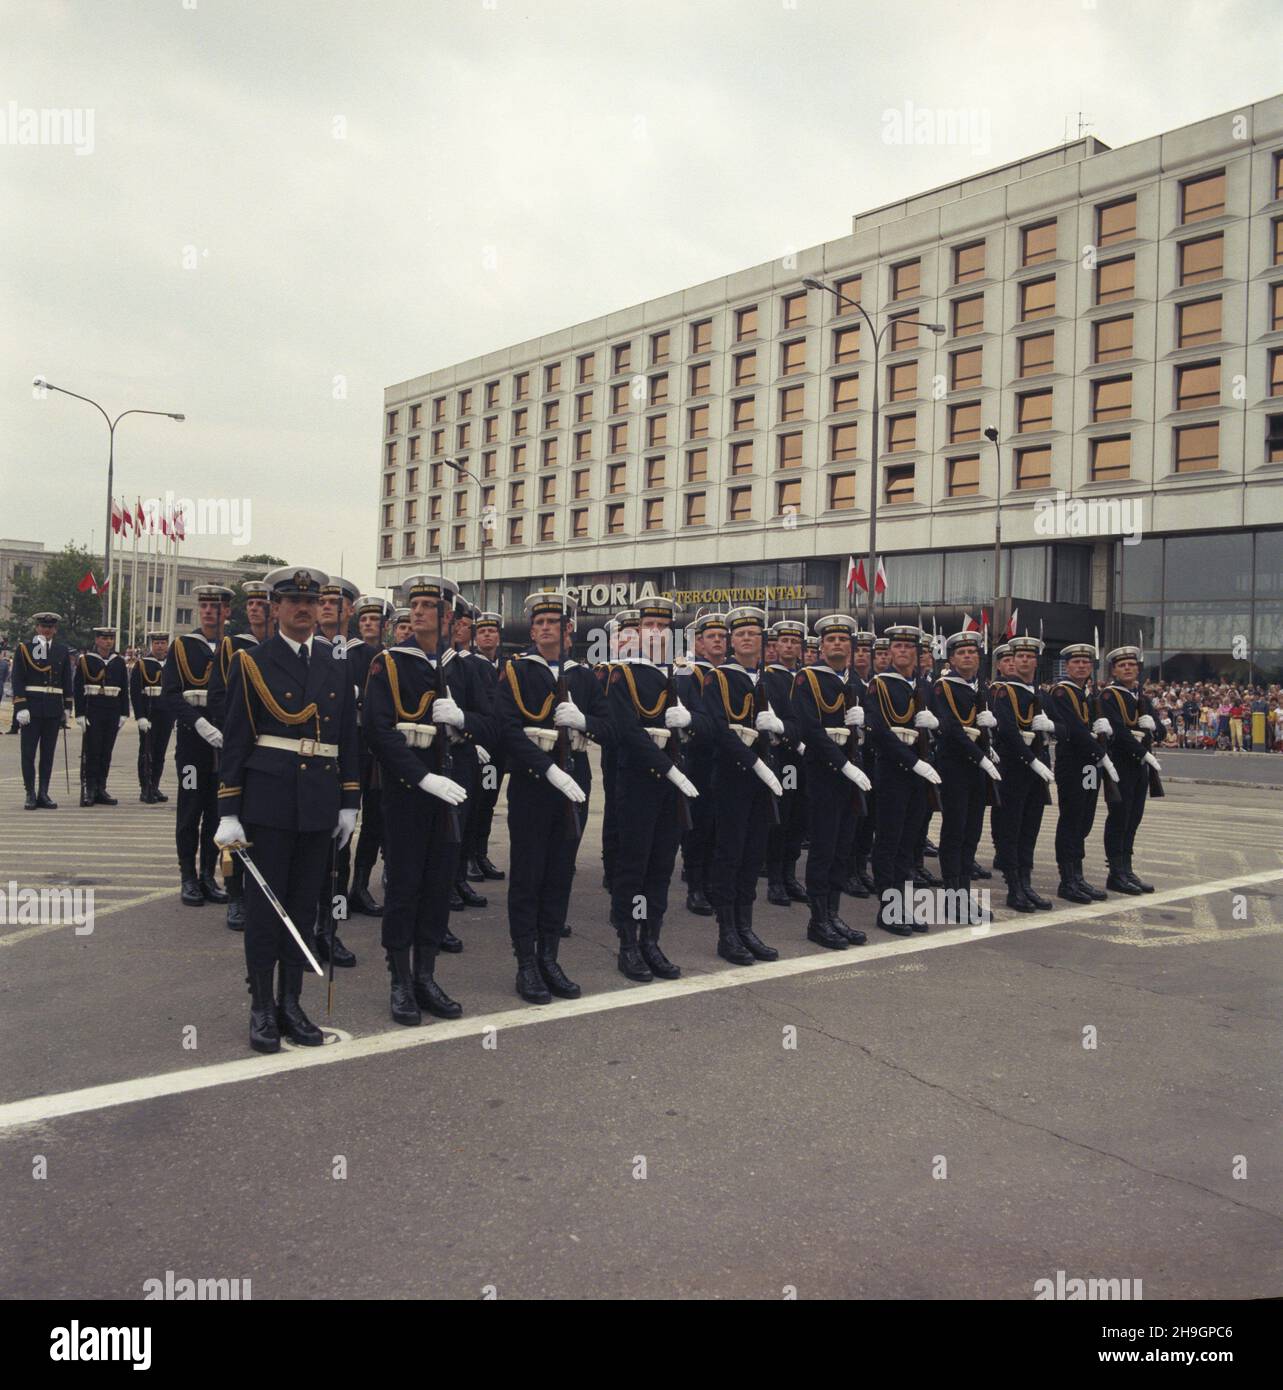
(38, 1109)
(12, 938)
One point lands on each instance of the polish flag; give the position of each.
(855, 577)
(88, 584)
(971, 624)
(1011, 626)
(117, 516)
(139, 518)
(179, 529)
(126, 518)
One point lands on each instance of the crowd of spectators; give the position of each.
(1208, 714)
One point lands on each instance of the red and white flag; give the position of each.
(855, 577)
(970, 624)
(117, 516)
(126, 517)
(1011, 626)
(139, 518)
(180, 530)
(88, 584)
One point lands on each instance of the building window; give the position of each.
(846, 393)
(964, 422)
(547, 490)
(490, 429)
(906, 280)
(617, 438)
(1197, 447)
(740, 504)
(1038, 243)
(461, 504)
(487, 499)
(460, 538)
(655, 472)
(546, 528)
(1202, 260)
(746, 323)
(1276, 372)
(1033, 467)
(465, 401)
(579, 483)
(615, 519)
(653, 514)
(898, 484)
(463, 436)
(841, 492)
(1198, 322)
(700, 376)
(416, 416)
(702, 336)
(964, 369)
(902, 434)
(492, 394)
(789, 451)
(902, 381)
(1274, 439)
(659, 389)
(1036, 354)
(794, 310)
(519, 422)
(416, 445)
(548, 453)
(968, 315)
(1198, 386)
(1277, 256)
(697, 422)
(1038, 299)
(438, 409)
(393, 418)
(583, 407)
(434, 540)
(1111, 399)
(585, 368)
(583, 444)
(696, 465)
(1116, 221)
(1111, 459)
(848, 289)
(521, 386)
(435, 473)
(1276, 307)
(1278, 175)
(616, 477)
(793, 357)
(842, 443)
(389, 509)
(621, 358)
(1116, 280)
(518, 460)
(791, 402)
(619, 398)
(968, 262)
(963, 477)
(387, 548)
(656, 430)
(1113, 339)
(389, 455)
(742, 413)
(552, 377)
(659, 343)
(745, 368)
(579, 523)
(1033, 412)
(1203, 197)
(412, 512)
(846, 344)
(434, 508)
(788, 496)
(408, 543)
(904, 331)
(438, 442)
(696, 509)
(516, 528)
(551, 415)
(516, 496)
(489, 463)
(412, 480)
(742, 457)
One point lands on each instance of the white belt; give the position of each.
(839, 736)
(196, 697)
(659, 737)
(972, 734)
(417, 735)
(153, 690)
(543, 739)
(1138, 735)
(45, 690)
(305, 747)
(1028, 738)
(906, 735)
(93, 690)
(746, 733)
(578, 741)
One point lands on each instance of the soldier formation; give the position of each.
(754, 743)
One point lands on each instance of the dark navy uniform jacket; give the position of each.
(892, 703)
(1070, 710)
(268, 694)
(526, 698)
(146, 675)
(93, 670)
(1122, 707)
(227, 650)
(955, 703)
(637, 695)
(54, 671)
(189, 666)
(778, 681)
(1014, 705)
(819, 702)
(728, 699)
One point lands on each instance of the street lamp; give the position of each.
(937, 328)
(481, 519)
(111, 465)
(991, 435)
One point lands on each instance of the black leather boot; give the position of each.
(43, 799)
(87, 793)
(696, 902)
(660, 966)
(729, 945)
(530, 981)
(1016, 899)
(359, 900)
(290, 1018)
(473, 872)
(450, 943)
(264, 1034)
(30, 803)
(145, 796)
(865, 876)
(1097, 895)
(1118, 881)
(777, 894)
(923, 877)
(1068, 887)
(488, 870)
(456, 900)
(891, 903)
(1139, 882)
(343, 958)
(930, 851)
(191, 896)
(209, 888)
(744, 926)
(853, 887)
(1041, 903)
(632, 963)
(101, 797)
(429, 995)
(820, 929)
(470, 896)
(558, 982)
(791, 886)
(405, 1008)
(236, 914)
(852, 935)
(976, 871)
(158, 795)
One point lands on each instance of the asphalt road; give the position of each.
(910, 1119)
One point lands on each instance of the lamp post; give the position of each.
(937, 328)
(111, 465)
(481, 519)
(991, 435)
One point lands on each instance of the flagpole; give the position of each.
(134, 634)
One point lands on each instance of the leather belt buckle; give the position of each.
(307, 747)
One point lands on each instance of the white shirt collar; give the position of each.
(958, 680)
(294, 646)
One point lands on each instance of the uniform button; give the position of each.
(288, 694)
(302, 767)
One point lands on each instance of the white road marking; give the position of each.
(39, 1109)
(12, 938)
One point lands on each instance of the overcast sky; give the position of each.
(374, 190)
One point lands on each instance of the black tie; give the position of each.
(302, 656)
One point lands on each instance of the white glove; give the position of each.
(24, 716)
(565, 784)
(678, 717)
(1110, 770)
(1042, 725)
(443, 788)
(768, 777)
(987, 764)
(854, 717)
(768, 722)
(801, 749)
(927, 772)
(568, 715)
(1040, 769)
(144, 726)
(1153, 762)
(120, 723)
(346, 827)
(81, 722)
(985, 719)
(924, 719)
(230, 832)
(1146, 722)
(483, 754)
(682, 782)
(854, 774)
(445, 711)
(1102, 726)
(209, 733)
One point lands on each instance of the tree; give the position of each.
(264, 562)
(55, 590)
(268, 562)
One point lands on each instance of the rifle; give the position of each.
(923, 747)
(684, 820)
(993, 797)
(563, 735)
(142, 676)
(1040, 742)
(853, 746)
(761, 703)
(445, 759)
(1145, 706)
(1112, 795)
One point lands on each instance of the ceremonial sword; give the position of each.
(239, 852)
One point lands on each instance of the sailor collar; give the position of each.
(566, 665)
(1011, 680)
(1126, 689)
(959, 680)
(735, 666)
(826, 669)
(635, 661)
(895, 675)
(413, 649)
